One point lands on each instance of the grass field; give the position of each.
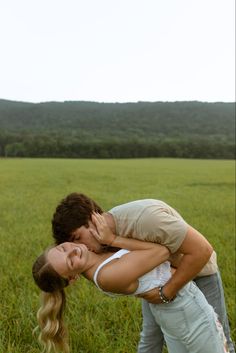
(201, 190)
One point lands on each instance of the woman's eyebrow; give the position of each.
(68, 262)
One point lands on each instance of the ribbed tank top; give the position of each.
(152, 279)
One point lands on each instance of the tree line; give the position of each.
(106, 130)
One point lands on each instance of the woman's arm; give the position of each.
(105, 236)
(121, 275)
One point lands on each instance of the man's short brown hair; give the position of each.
(73, 212)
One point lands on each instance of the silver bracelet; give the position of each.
(163, 298)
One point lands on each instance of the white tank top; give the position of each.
(152, 279)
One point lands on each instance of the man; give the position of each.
(150, 220)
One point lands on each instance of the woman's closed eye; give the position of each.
(71, 263)
(70, 260)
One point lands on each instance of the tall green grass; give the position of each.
(201, 190)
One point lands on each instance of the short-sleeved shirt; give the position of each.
(155, 221)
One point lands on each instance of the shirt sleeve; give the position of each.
(160, 226)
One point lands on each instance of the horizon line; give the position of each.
(114, 102)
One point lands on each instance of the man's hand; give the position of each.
(151, 296)
(104, 234)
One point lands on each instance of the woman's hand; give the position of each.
(152, 296)
(104, 234)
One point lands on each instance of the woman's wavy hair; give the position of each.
(53, 333)
(72, 212)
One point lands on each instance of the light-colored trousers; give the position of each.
(189, 325)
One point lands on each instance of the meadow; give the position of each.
(201, 190)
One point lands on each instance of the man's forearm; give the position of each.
(188, 269)
(196, 252)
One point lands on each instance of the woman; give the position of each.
(188, 322)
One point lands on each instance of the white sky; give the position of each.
(117, 50)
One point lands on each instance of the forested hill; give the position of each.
(103, 130)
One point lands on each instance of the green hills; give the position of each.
(117, 130)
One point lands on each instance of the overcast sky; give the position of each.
(117, 50)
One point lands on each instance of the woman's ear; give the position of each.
(73, 279)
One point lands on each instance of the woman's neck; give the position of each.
(94, 261)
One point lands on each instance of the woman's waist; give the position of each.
(150, 281)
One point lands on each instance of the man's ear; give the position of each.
(73, 279)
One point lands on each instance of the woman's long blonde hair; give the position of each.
(53, 333)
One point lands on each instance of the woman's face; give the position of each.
(68, 259)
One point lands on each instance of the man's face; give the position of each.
(84, 235)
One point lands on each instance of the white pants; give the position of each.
(189, 324)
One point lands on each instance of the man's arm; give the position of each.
(121, 276)
(196, 252)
